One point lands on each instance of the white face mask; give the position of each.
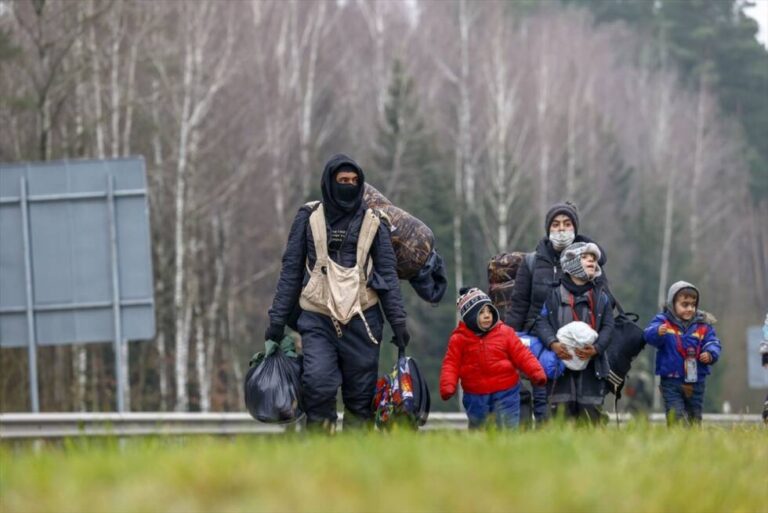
(561, 240)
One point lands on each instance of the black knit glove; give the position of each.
(274, 333)
(765, 359)
(402, 337)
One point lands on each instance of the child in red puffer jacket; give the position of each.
(484, 353)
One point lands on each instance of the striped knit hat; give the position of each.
(570, 259)
(471, 301)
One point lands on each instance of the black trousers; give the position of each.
(350, 362)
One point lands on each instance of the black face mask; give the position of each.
(345, 194)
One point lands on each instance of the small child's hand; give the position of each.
(561, 351)
(586, 352)
(663, 330)
(705, 357)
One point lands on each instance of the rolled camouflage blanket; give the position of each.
(502, 270)
(412, 240)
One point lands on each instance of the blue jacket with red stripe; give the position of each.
(699, 335)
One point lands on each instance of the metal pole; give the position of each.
(31, 335)
(120, 373)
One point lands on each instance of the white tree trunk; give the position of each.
(666, 245)
(157, 143)
(465, 113)
(156, 193)
(759, 249)
(130, 94)
(200, 364)
(660, 160)
(503, 111)
(125, 375)
(208, 352)
(391, 190)
(308, 97)
(115, 85)
(79, 89)
(162, 357)
(182, 348)
(542, 106)
(373, 15)
(458, 198)
(80, 363)
(96, 84)
(570, 167)
(199, 88)
(698, 166)
(237, 368)
(80, 366)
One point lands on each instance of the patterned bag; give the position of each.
(402, 397)
(412, 240)
(502, 271)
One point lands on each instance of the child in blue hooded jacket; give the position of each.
(687, 346)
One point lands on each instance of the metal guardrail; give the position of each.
(61, 425)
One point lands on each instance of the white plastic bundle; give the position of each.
(575, 335)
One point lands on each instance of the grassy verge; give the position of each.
(559, 469)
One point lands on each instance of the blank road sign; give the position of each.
(74, 243)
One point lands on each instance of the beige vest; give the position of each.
(340, 292)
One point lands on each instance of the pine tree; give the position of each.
(409, 170)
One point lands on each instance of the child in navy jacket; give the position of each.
(687, 346)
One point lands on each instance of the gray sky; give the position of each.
(760, 13)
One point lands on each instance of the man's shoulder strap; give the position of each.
(368, 230)
(383, 217)
(530, 261)
(317, 225)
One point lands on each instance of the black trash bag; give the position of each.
(627, 342)
(431, 282)
(402, 396)
(273, 383)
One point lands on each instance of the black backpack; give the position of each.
(627, 342)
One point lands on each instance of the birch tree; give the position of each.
(205, 71)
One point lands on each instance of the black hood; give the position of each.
(335, 210)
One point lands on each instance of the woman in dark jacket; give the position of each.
(533, 285)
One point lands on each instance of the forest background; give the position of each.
(474, 116)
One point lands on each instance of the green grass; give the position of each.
(648, 468)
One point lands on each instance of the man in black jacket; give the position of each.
(338, 354)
